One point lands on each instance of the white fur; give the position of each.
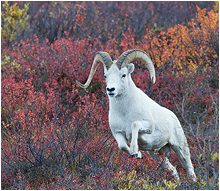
(135, 118)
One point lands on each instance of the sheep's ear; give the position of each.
(130, 68)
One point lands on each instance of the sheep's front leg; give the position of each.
(122, 144)
(139, 127)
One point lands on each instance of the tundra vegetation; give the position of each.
(55, 135)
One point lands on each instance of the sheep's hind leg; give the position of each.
(166, 163)
(182, 151)
(138, 127)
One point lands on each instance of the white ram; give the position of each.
(135, 118)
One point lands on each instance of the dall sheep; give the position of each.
(136, 118)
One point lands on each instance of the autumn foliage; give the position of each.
(55, 135)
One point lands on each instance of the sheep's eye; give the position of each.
(123, 76)
(105, 76)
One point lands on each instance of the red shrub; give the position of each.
(56, 135)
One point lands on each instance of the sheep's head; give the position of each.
(118, 72)
(118, 79)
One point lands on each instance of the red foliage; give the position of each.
(56, 135)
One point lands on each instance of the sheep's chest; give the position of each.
(118, 123)
(123, 112)
(122, 123)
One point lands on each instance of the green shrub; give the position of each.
(131, 181)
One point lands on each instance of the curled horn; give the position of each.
(100, 57)
(132, 55)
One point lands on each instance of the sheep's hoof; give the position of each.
(134, 155)
(137, 156)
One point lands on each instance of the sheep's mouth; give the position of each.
(111, 94)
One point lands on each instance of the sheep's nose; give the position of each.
(110, 89)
